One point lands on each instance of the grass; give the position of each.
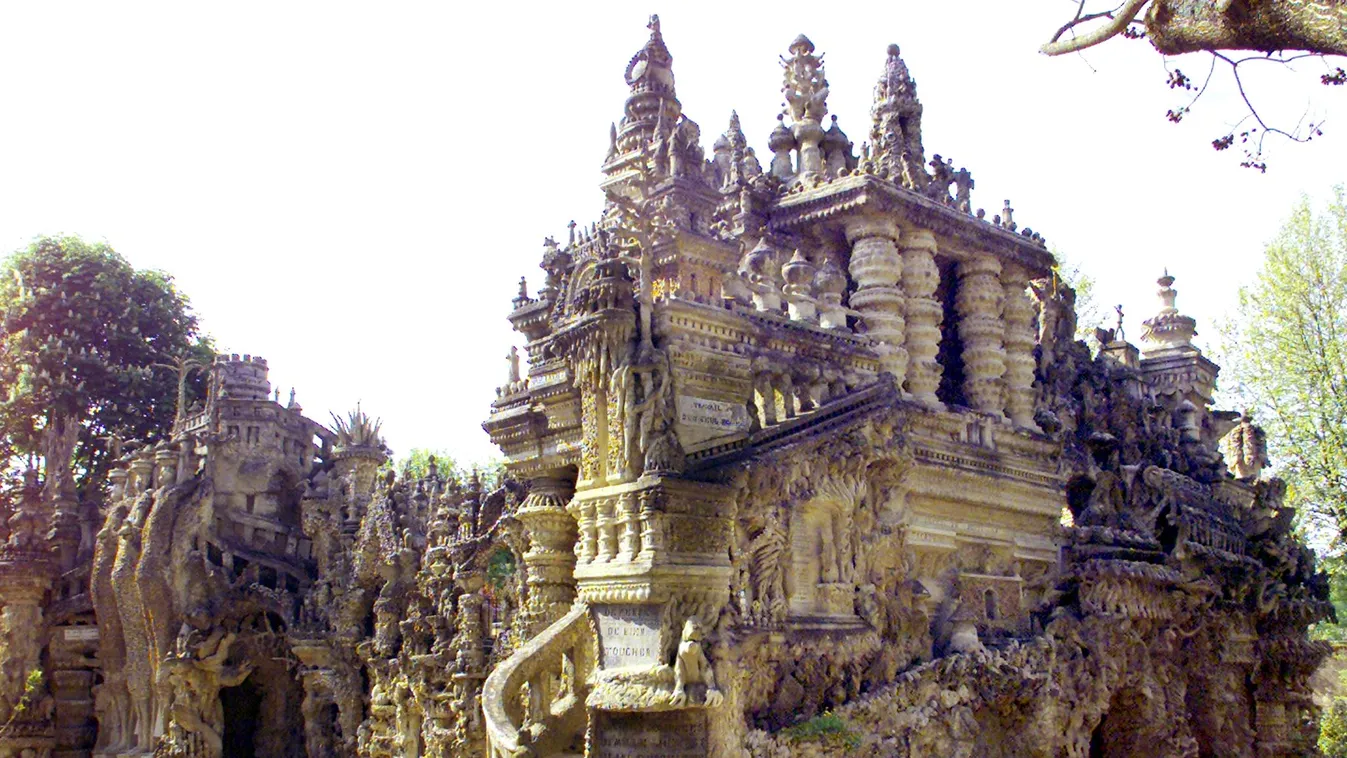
(828, 729)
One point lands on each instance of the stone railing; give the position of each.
(534, 702)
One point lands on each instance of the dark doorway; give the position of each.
(1097, 740)
(242, 713)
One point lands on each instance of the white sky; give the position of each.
(353, 190)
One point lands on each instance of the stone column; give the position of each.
(921, 278)
(876, 267)
(809, 136)
(1018, 314)
(24, 580)
(978, 302)
(142, 471)
(550, 560)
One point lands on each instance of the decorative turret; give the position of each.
(896, 135)
(837, 150)
(729, 152)
(781, 142)
(1168, 328)
(243, 378)
(653, 103)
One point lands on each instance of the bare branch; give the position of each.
(1119, 20)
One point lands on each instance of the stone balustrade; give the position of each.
(622, 529)
(534, 702)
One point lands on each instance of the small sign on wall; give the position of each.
(628, 634)
(724, 417)
(667, 734)
(80, 634)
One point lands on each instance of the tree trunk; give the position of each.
(1185, 26)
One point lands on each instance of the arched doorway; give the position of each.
(242, 714)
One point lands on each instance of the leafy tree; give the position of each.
(1333, 729)
(1286, 359)
(416, 464)
(1088, 313)
(89, 345)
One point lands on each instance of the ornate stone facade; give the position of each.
(789, 440)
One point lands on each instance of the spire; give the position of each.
(729, 153)
(650, 69)
(1168, 328)
(735, 134)
(896, 135)
(806, 92)
(653, 103)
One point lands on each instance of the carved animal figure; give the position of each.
(692, 667)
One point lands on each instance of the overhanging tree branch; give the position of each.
(1119, 18)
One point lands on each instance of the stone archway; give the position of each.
(1135, 724)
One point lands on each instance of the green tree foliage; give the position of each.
(88, 338)
(1333, 729)
(416, 464)
(1286, 360)
(1088, 313)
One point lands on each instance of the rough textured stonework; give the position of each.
(784, 440)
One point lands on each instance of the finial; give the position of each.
(523, 288)
(1168, 328)
(292, 397)
(571, 228)
(653, 26)
(806, 86)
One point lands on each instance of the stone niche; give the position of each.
(819, 583)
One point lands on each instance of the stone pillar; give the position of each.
(24, 580)
(921, 278)
(652, 603)
(786, 389)
(165, 465)
(142, 472)
(877, 268)
(809, 136)
(1018, 314)
(766, 393)
(978, 302)
(550, 560)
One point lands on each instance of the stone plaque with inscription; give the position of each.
(666, 734)
(80, 633)
(712, 414)
(628, 634)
